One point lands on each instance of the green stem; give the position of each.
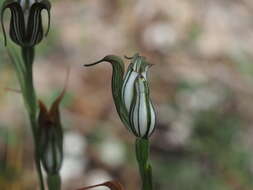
(142, 154)
(54, 182)
(28, 55)
(30, 100)
(36, 152)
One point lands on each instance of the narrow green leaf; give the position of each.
(19, 66)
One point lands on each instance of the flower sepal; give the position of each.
(26, 28)
(141, 114)
(116, 83)
(50, 136)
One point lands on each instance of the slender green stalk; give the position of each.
(30, 100)
(54, 182)
(142, 154)
(36, 152)
(28, 55)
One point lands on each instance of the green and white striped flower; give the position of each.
(141, 115)
(131, 94)
(26, 27)
(137, 66)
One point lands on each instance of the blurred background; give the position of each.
(201, 85)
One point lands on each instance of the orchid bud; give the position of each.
(26, 27)
(50, 137)
(125, 90)
(142, 115)
(137, 66)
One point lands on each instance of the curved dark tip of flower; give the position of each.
(95, 63)
(115, 61)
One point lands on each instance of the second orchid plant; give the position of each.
(131, 96)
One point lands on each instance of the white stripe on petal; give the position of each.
(49, 159)
(128, 89)
(153, 119)
(142, 115)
